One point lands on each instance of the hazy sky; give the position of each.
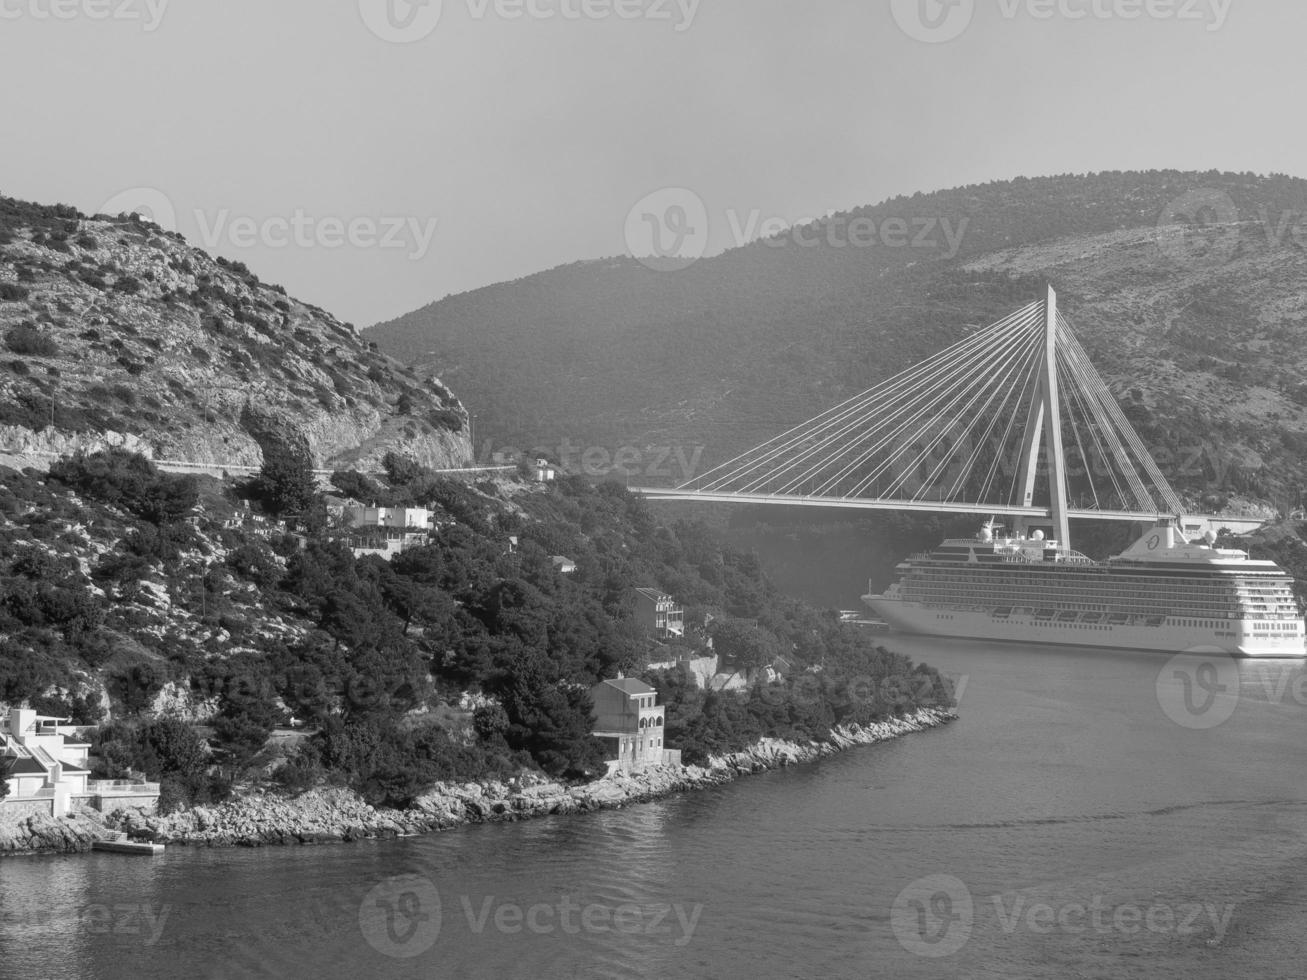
(502, 137)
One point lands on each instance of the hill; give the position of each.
(178, 626)
(1189, 290)
(115, 332)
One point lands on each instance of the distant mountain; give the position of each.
(1188, 289)
(115, 332)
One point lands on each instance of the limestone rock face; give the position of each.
(39, 833)
(124, 335)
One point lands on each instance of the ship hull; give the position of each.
(1023, 627)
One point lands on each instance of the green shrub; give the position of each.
(444, 418)
(130, 481)
(26, 339)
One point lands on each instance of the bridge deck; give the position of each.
(1238, 525)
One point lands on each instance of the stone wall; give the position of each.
(13, 811)
(108, 802)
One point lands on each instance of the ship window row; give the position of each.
(995, 588)
(1206, 596)
(1141, 603)
(1281, 585)
(1078, 582)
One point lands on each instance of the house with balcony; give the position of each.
(388, 531)
(47, 769)
(660, 613)
(632, 725)
(563, 565)
(43, 765)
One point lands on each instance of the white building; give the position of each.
(49, 768)
(44, 764)
(397, 518)
(660, 613)
(387, 531)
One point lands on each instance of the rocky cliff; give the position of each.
(114, 332)
(40, 833)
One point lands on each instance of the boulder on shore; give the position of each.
(40, 833)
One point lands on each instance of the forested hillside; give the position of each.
(131, 601)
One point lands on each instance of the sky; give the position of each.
(376, 155)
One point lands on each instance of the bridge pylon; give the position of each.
(1011, 421)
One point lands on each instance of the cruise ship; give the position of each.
(1166, 592)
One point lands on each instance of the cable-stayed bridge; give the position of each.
(1011, 422)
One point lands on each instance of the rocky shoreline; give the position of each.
(41, 833)
(335, 815)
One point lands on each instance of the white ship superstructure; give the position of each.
(1163, 593)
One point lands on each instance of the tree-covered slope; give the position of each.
(137, 603)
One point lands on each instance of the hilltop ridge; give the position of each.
(114, 332)
(1189, 291)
